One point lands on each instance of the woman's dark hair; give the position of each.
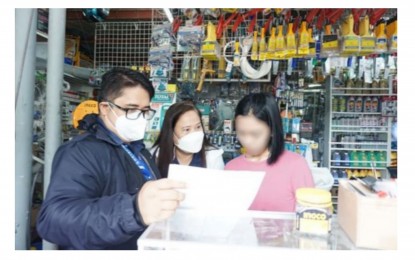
(165, 144)
(117, 79)
(264, 107)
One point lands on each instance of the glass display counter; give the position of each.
(189, 229)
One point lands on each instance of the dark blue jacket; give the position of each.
(91, 199)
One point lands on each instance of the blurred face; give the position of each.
(253, 134)
(134, 98)
(188, 123)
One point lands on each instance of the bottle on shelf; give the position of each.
(359, 104)
(335, 104)
(351, 104)
(375, 105)
(342, 104)
(336, 158)
(367, 105)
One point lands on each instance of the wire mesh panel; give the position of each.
(122, 44)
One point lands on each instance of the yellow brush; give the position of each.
(311, 43)
(291, 46)
(222, 62)
(271, 45)
(237, 56)
(330, 44)
(262, 46)
(303, 40)
(392, 34)
(280, 44)
(210, 47)
(381, 40)
(350, 41)
(367, 42)
(254, 50)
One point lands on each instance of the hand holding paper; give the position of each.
(216, 190)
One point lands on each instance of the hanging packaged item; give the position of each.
(280, 51)
(162, 35)
(392, 34)
(195, 71)
(189, 38)
(303, 40)
(286, 124)
(228, 126)
(185, 72)
(330, 44)
(161, 57)
(271, 45)
(237, 56)
(295, 129)
(210, 47)
(160, 102)
(222, 61)
(262, 46)
(350, 43)
(381, 39)
(254, 50)
(311, 43)
(367, 42)
(159, 84)
(204, 111)
(291, 49)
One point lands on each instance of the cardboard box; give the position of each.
(370, 222)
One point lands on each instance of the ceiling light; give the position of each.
(168, 14)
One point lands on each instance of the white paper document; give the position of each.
(217, 190)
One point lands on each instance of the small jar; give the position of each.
(313, 211)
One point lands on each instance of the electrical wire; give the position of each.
(246, 67)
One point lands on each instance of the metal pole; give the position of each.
(56, 45)
(25, 55)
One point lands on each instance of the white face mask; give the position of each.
(191, 143)
(130, 130)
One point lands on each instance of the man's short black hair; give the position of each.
(116, 79)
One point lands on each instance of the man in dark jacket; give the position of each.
(105, 189)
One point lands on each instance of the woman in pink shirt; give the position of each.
(259, 129)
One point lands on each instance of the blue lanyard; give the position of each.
(141, 164)
(145, 171)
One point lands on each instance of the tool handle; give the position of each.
(202, 79)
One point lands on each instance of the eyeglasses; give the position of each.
(134, 113)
